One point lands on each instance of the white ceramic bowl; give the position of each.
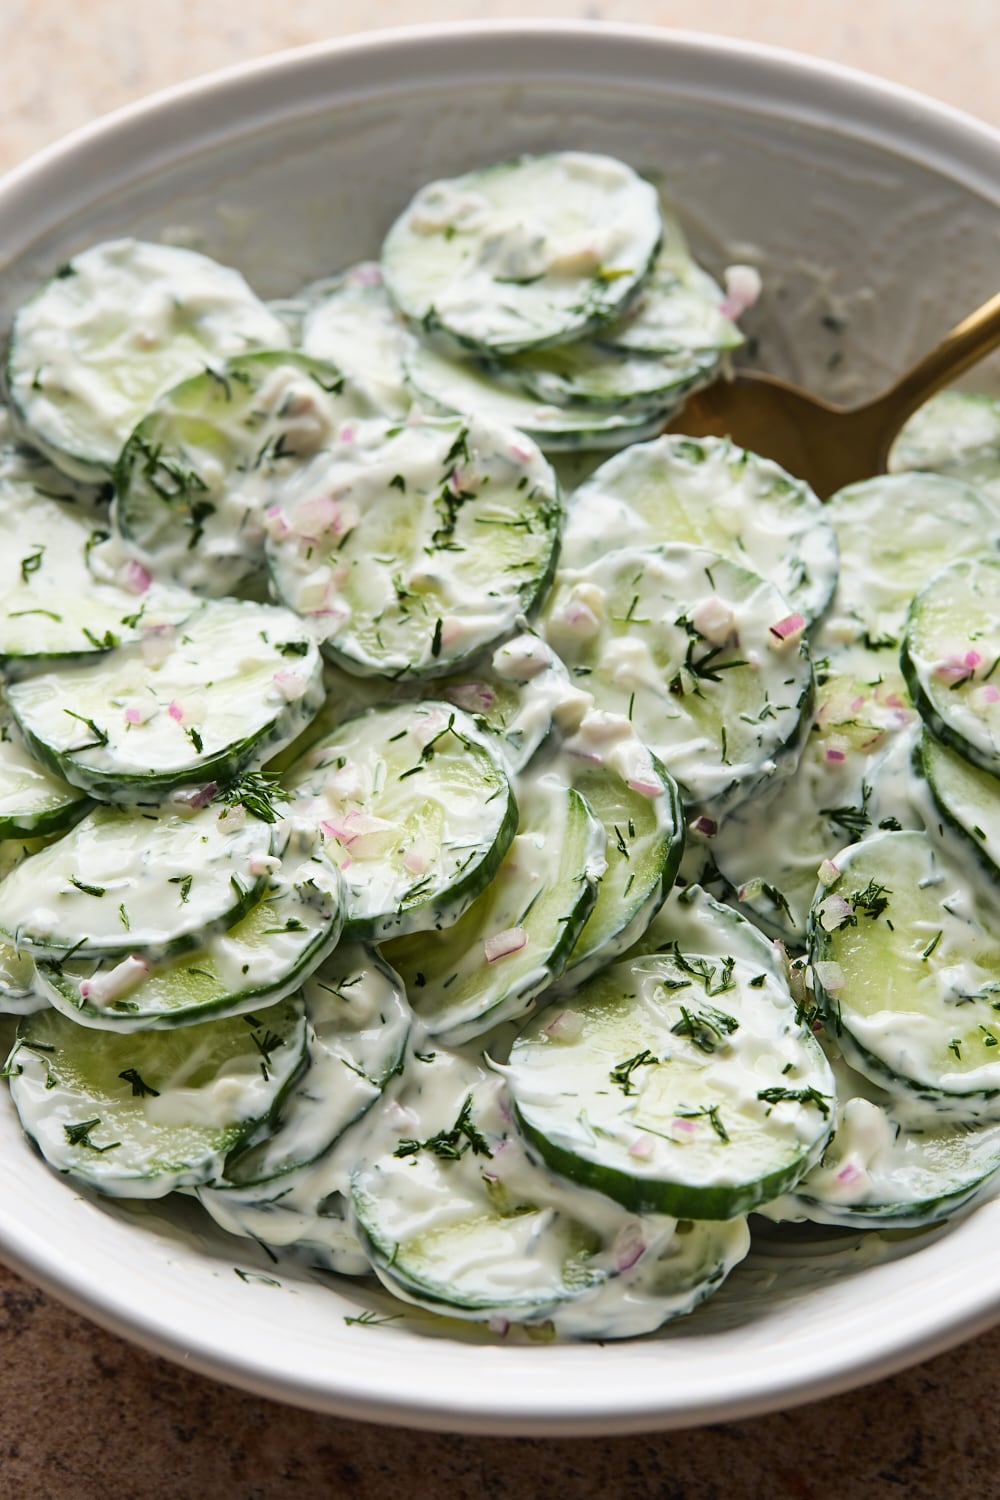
(855, 198)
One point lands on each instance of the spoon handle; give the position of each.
(967, 342)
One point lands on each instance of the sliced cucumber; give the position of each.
(55, 603)
(854, 777)
(231, 686)
(529, 252)
(692, 921)
(966, 797)
(258, 961)
(892, 1166)
(33, 802)
(595, 375)
(144, 882)
(615, 1090)
(455, 1216)
(358, 1024)
(678, 307)
(950, 656)
(644, 834)
(907, 969)
(955, 433)
(350, 321)
(894, 532)
(468, 386)
(138, 1116)
(296, 1214)
(417, 809)
(20, 991)
(518, 935)
(700, 655)
(116, 326)
(197, 475)
(711, 494)
(443, 533)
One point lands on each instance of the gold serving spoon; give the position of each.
(830, 446)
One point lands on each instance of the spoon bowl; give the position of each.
(830, 446)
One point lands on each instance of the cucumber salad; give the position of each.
(455, 832)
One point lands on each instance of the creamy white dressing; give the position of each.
(125, 880)
(121, 323)
(408, 549)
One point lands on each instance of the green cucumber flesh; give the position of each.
(689, 648)
(530, 252)
(416, 809)
(907, 969)
(518, 935)
(709, 493)
(675, 1085)
(117, 325)
(137, 882)
(950, 656)
(255, 962)
(196, 477)
(232, 685)
(138, 1116)
(446, 534)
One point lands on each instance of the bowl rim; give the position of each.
(252, 96)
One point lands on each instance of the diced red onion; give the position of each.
(502, 944)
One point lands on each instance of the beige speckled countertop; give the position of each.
(86, 1415)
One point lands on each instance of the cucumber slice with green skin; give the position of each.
(712, 494)
(891, 1166)
(854, 777)
(955, 433)
(55, 602)
(967, 798)
(295, 1215)
(469, 386)
(20, 991)
(259, 960)
(119, 324)
(644, 840)
(907, 971)
(613, 1088)
(678, 307)
(950, 656)
(592, 374)
(700, 655)
(33, 802)
(417, 810)
(516, 938)
(894, 533)
(443, 534)
(540, 250)
(517, 695)
(139, 1116)
(227, 689)
(455, 1216)
(197, 475)
(358, 1025)
(350, 321)
(142, 883)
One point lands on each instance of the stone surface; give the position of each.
(86, 1415)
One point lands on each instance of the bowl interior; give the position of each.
(873, 218)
